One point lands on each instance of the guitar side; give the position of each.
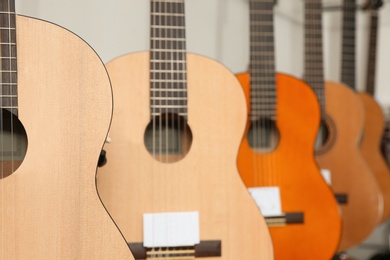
(206, 180)
(350, 174)
(374, 125)
(292, 167)
(51, 209)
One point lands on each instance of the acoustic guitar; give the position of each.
(176, 131)
(338, 140)
(374, 119)
(56, 105)
(278, 150)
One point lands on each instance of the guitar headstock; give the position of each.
(373, 4)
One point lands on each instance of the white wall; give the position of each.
(218, 29)
(215, 28)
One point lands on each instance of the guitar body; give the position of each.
(374, 125)
(50, 206)
(292, 167)
(205, 180)
(350, 174)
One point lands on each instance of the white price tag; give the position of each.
(327, 176)
(268, 200)
(171, 229)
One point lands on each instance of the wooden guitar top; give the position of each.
(350, 173)
(374, 124)
(291, 166)
(205, 180)
(50, 206)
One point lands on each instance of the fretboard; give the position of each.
(348, 43)
(262, 60)
(314, 71)
(371, 64)
(9, 93)
(168, 70)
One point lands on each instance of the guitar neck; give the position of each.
(262, 60)
(314, 71)
(168, 70)
(9, 93)
(372, 46)
(348, 66)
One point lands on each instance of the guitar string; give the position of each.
(165, 115)
(2, 158)
(153, 110)
(254, 123)
(11, 121)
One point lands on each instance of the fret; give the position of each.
(167, 90)
(167, 26)
(167, 71)
(164, 14)
(167, 39)
(168, 106)
(154, 61)
(154, 114)
(170, 98)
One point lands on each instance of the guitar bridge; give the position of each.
(285, 219)
(209, 248)
(341, 198)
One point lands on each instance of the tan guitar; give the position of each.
(175, 136)
(55, 113)
(374, 119)
(338, 149)
(278, 150)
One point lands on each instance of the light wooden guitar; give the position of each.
(338, 150)
(198, 105)
(55, 113)
(291, 106)
(374, 119)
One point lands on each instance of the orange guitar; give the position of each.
(338, 140)
(278, 150)
(374, 121)
(56, 105)
(175, 134)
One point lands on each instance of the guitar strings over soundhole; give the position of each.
(168, 138)
(263, 135)
(13, 143)
(326, 136)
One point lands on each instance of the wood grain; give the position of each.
(374, 125)
(350, 173)
(292, 167)
(50, 206)
(206, 180)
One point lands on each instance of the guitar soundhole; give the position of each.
(168, 138)
(323, 134)
(326, 136)
(13, 143)
(263, 135)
